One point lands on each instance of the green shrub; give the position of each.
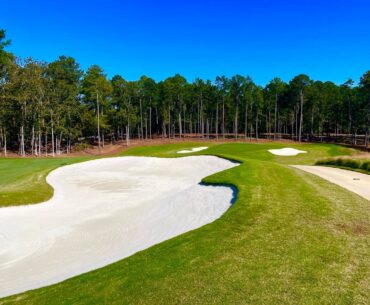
(351, 163)
(365, 166)
(329, 161)
(346, 163)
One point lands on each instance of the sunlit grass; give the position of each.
(22, 181)
(290, 238)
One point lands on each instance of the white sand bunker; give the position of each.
(187, 151)
(105, 210)
(286, 152)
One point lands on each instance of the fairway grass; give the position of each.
(290, 238)
(22, 180)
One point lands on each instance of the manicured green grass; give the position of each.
(290, 238)
(22, 181)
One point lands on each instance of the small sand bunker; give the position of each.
(286, 152)
(187, 151)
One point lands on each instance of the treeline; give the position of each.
(48, 108)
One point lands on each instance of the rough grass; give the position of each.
(358, 165)
(290, 238)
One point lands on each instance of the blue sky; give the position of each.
(328, 40)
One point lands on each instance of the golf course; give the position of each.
(288, 236)
(184, 152)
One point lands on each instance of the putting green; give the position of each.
(290, 238)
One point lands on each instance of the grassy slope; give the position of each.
(291, 238)
(22, 181)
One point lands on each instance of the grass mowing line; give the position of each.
(291, 238)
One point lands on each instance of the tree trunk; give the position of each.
(169, 122)
(33, 140)
(127, 135)
(312, 111)
(301, 118)
(184, 122)
(5, 143)
(190, 125)
(98, 115)
(146, 127)
(60, 143)
(223, 117)
(46, 144)
(39, 146)
(52, 138)
(216, 129)
(236, 120)
(23, 152)
(251, 124)
(128, 124)
(180, 125)
(367, 125)
(164, 135)
(197, 125)
(269, 125)
(201, 115)
(150, 122)
(367, 137)
(246, 121)
(141, 120)
(275, 119)
(296, 121)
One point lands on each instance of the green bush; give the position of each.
(363, 166)
(351, 163)
(330, 161)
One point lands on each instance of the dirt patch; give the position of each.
(361, 155)
(356, 228)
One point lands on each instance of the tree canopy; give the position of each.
(47, 108)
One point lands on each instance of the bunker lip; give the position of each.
(234, 189)
(103, 211)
